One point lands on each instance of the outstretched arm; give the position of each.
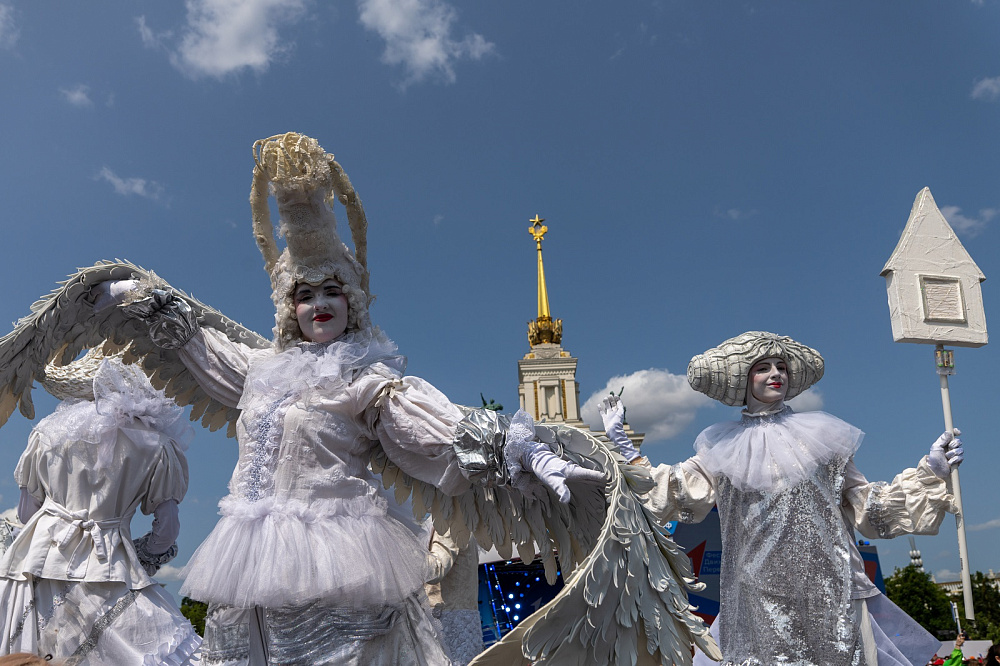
(683, 492)
(915, 502)
(433, 440)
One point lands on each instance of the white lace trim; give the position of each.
(124, 399)
(274, 382)
(772, 452)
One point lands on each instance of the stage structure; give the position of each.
(935, 298)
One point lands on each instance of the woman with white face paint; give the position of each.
(312, 562)
(793, 587)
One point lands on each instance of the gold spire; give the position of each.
(544, 329)
(537, 230)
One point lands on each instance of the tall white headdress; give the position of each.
(305, 180)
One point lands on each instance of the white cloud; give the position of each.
(811, 400)
(226, 36)
(169, 572)
(988, 89)
(78, 95)
(968, 226)
(438, 219)
(735, 214)
(988, 525)
(128, 186)
(150, 39)
(658, 403)
(9, 32)
(946, 576)
(418, 36)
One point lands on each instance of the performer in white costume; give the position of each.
(73, 584)
(308, 564)
(793, 588)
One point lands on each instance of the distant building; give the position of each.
(547, 386)
(954, 587)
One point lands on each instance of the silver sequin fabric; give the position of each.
(786, 575)
(320, 635)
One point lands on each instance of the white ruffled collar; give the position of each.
(774, 451)
(310, 364)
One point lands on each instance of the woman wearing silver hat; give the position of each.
(793, 588)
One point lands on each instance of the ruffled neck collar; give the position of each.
(774, 451)
(309, 365)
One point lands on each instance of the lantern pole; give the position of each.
(945, 361)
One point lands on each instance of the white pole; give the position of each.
(956, 489)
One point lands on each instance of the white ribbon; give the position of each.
(77, 522)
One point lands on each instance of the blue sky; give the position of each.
(703, 168)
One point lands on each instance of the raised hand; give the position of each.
(946, 453)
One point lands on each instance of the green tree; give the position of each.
(195, 612)
(986, 603)
(921, 598)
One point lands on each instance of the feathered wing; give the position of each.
(64, 323)
(625, 595)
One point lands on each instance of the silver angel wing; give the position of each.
(64, 323)
(625, 595)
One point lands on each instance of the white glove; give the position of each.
(554, 472)
(946, 453)
(111, 293)
(612, 411)
(530, 461)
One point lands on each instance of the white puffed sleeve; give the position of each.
(914, 503)
(415, 424)
(684, 492)
(26, 473)
(218, 364)
(169, 479)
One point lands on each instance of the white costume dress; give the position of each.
(793, 590)
(71, 583)
(308, 553)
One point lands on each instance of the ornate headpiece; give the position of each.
(721, 372)
(305, 180)
(96, 375)
(74, 381)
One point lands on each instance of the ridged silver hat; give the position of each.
(721, 372)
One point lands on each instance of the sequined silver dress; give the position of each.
(789, 591)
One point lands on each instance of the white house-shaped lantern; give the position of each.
(933, 283)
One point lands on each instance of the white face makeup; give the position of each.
(769, 380)
(321, 310)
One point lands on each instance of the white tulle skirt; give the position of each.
(95, 623)
(277, 553)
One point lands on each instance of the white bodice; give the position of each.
(305, 518)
